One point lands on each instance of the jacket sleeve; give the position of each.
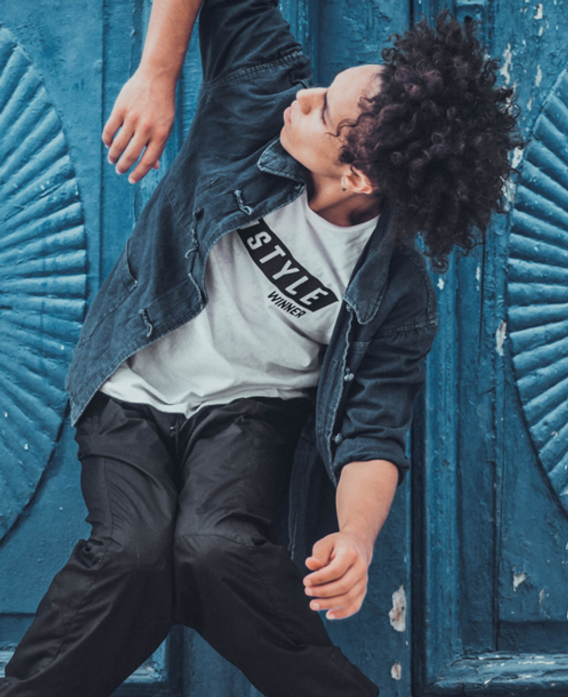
(379, 405)
(236, 36)
(252, 69)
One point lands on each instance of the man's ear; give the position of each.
(356, 182)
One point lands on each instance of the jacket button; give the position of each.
(337, 438)
(348, 376)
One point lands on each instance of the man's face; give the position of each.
(311, 122)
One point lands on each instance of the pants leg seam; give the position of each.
(72, 620)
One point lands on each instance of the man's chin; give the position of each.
(286, 145)
(283, 139)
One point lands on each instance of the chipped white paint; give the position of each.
(5, 414)
(441, 283)
(541, 30)
(478, 273)
(541, 596)
(500, 336)
(396, 671)
(508, 64)
(538, 14)
(509, 192)
(532, 663)
(517, 156)
(397, 615)
(529, 103)
(538, 78)
(26, 447)
(518, 579)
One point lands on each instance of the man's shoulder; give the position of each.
(411, 295)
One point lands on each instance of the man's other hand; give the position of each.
(339, 563)
(144, 113)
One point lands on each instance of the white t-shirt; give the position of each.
(274, 292)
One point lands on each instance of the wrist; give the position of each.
(363, 540)
(164, 72)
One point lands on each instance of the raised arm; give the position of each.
(242, 42)
(145, 107)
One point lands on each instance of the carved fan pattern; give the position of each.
(43, 262)
(538, 287)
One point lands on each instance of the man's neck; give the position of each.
(338, 207)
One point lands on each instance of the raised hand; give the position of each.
(144, 112)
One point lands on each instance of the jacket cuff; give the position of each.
(366, 449)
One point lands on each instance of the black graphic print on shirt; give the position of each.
(276, 262)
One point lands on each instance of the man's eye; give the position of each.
(324, 107)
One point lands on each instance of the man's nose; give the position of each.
(305, 99)
(302, 97)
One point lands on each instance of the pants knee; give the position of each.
(206, 552)
(202, 563)
(149, 547)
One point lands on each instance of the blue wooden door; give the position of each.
(468, 584)
(66, 217)
(490, 489)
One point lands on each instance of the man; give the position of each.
(272, 271)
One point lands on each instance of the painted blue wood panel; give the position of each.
(533, 581)
(65, 55)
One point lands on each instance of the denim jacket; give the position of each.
(230, 171)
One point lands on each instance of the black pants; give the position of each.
(182, 514)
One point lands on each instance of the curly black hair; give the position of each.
(435, 139)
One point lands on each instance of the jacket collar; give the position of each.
(275, 160)
(369, 279)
